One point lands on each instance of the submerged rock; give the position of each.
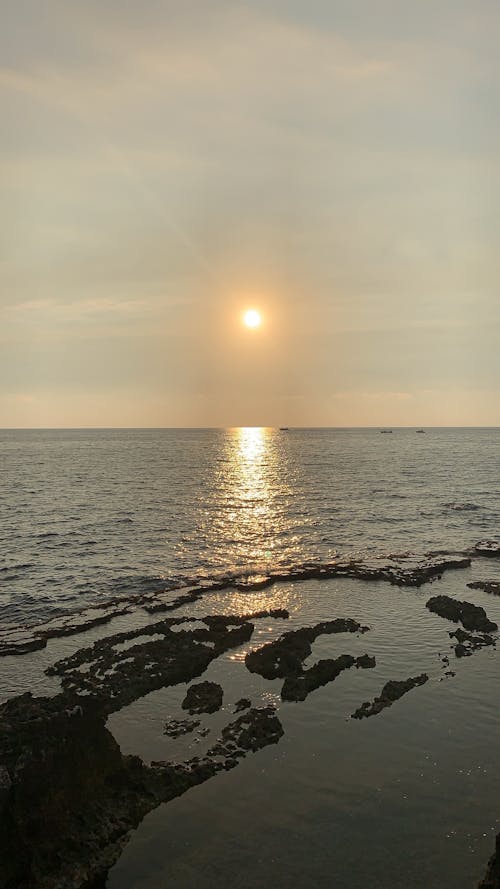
(242, 704)
(473, 617)
(174, 728)
(392, 691)
(489, 586)
(205, 697)
(490, 548)
(467, 643)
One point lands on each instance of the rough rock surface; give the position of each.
(489, 586)
(392, 691)
(285, 656)
(117, 670)
(68, 797)
(468, 643)
(491, 879)
(297, 687)
(204, 697)
(473, 617)
(242, 704)
(401, 571)
(174, 728)
(490, 548)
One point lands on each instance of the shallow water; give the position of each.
(88, 514)
(408, 798)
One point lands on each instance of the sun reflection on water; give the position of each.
(247, 516)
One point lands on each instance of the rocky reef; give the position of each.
(286, 655)
(491, 879)
(297, 686)
(121, 668)
(68, 797)
(284, 658)
(473, 617)
(205, 697)
(391, 692)
(489, 586)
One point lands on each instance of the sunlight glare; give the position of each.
(252, 318)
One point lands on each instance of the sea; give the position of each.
(89, 514)
(406, 799)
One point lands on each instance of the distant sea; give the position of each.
(86, 515)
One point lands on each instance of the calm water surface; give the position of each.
(85, 515)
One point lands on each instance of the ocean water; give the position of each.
(407, 799)
(89, 514)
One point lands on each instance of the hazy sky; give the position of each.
(165, 165)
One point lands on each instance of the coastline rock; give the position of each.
(473, 617)
(174, 728)
(468, 643)
(491, 879)
(391, 692)
(117, 670)
(297, 687)
(242, 704)
(284, 657)
(489, 548)
(489, 586)
(205, 697)
(69, 798)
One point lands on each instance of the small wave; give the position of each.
(462, 507)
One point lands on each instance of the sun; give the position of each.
(252, 318)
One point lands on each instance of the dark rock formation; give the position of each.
(489, 586)
(205, 697)
(255, 729)
(491, 879)
(467, 643)
(285, 656)
(174, 728)
(117, 670)
(242, 704)
(473, 617)
(68, 798)
(391, 692)
(489, 548)
(297, 687)
(21, 640)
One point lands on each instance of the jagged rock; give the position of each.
(473, 617)
(68, 797)
(285, 656)
(489, 548)
(491, 879)
(296, 688)
(365, 662)
(392, 691)
(242, 704)
(467, 643)
(174, 728)
(117, 673)
(489, 586)
(205, 697)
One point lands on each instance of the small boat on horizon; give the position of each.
(386, 431)
(420, 431)
(284, 428)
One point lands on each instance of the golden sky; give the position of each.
(166, 166)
